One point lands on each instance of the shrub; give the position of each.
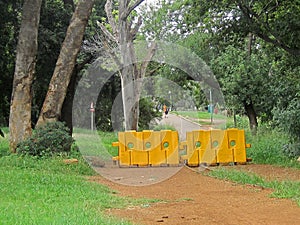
(50, 139)
(292, 149)
(288, 120)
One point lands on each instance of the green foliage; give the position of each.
(107, 138)
(9, 26)
(292, 150)
(48, 140)
(241, 122)
(4, 143)
(288, 120)
(148, 112)
(267, 148)
(271, 21)
(239, 76)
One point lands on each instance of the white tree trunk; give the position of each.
(131, 75)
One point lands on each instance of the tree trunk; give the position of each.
(250, 111)
(128, 74)
(20, 109)
(51, 110)
(67, 108)
(124, 34)
(249, 108)
(130, 99)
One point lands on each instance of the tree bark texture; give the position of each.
(51, 110)
(250, 111)
(20, 109)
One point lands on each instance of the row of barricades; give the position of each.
(157, 148)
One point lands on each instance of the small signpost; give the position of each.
(92, 110)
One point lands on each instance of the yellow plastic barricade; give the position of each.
(236, 142)
(197, 143)
(169, 144)
(147, 148)
(152, 142)
(215, 147)
(219, 144)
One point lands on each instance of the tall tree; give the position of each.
(273, 21)
(9, 29)
(51, 110)
(20, 110)
(124, 32)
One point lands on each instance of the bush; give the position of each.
(292, 149)
(288, 120)
(48, 140)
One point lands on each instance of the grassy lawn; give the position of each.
(48, 191)
(33, 193)
(199, 114)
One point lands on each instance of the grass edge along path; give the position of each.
(281, 189)
(31, 193)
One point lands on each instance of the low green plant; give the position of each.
(4, 144)
(267, 148)
(107, 138)
(242, 122)
(47, 140)
(282, 189)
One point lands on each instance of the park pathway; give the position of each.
(181, 124)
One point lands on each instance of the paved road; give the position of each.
(181, 124)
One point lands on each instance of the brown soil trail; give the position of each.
(192, 197)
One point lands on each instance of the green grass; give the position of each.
(199, 114)
(282, 189)
(48, 191)
(34, 194)
(164, 127)
(4, 143)
(96, 143)
(107, 138)
(267, 148)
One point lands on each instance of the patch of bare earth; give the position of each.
(191, 197)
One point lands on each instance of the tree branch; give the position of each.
(147, 59)
(136, 28)
(110, 17)
(108, 35)
(254, 27)
(132, 7)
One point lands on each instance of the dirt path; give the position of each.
(193, 198)
(189, 197)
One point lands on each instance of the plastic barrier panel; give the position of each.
(169, 144)
(197, 144)
(215, 147)
(224, 154)
(236, 142)
(147, 148)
